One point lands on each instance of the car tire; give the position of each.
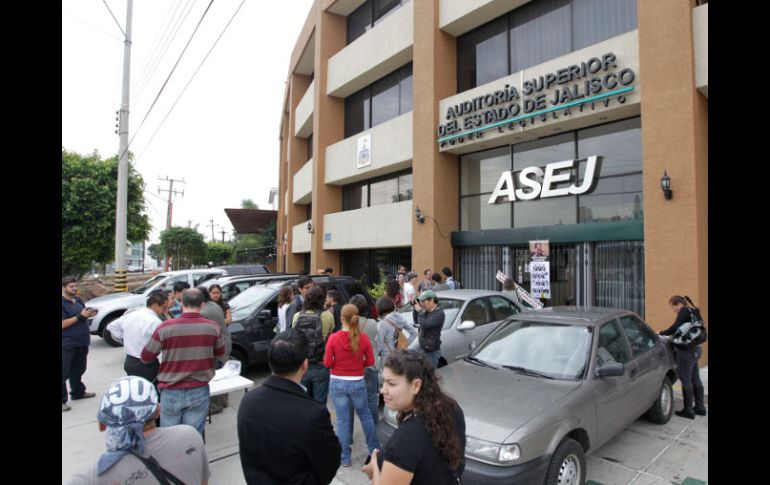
(240, 356)
(568, 464)
(663, 407)
(106, 333)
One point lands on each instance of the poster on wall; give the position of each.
(539, 250)
(364, 154)
(541, 279)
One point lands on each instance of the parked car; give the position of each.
(546, 387)
(114, 305)
(255, 313)
(469, 316)
(245, 269)
(232, 285)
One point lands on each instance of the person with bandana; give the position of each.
(138, 451)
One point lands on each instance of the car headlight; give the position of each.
(489, 452)
(390, 416)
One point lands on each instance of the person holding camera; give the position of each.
(430, 317)
(75, 339)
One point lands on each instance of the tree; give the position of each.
(219, 253)
(184, 245)
(89, 190)
(155, 253)
(248, 204)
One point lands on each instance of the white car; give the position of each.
(114, 305)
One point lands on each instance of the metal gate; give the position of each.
(365, 264)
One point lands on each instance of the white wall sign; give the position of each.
(364, 153)
(528, 178)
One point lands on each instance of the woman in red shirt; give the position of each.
(348, 352)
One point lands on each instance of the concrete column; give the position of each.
(328, 128)
(435, 175)
(283, 173)
(675, 139)
(297, 157)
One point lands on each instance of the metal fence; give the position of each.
(365, 264)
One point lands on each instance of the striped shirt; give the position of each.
(189, 344)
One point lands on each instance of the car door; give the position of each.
(612, 412)
(263, 327)
(650, 356)
(477, 311)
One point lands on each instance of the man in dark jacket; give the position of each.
(303, 285)
(285, 437)
(431, 320)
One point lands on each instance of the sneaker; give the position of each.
(685, 414)
(346, 465)
(700, 410)
(64, 407)
(85, 395)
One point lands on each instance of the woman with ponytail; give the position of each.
(428, 447)
(348, 352)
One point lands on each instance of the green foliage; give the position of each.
(219, 253)
(155, 253)
(248, 204)
(89, 192)
(185, 246)
(378, 290)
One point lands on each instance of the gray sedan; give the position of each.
(469, 317)
(546, 387)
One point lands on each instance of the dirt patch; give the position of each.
(90, 287)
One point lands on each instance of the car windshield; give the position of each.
(244, 303)
(450, 306)
(553, 350)
(149, 284)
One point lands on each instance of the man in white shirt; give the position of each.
(135, 329)
(410, 290)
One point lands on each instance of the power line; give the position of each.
(159, 40)
(93, 27)
(188, 83)
(113, 18)
(171, 73)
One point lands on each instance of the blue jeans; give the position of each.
(372, 397)
(344, 395)
(434, 356)
(185, 406)
(316, 379)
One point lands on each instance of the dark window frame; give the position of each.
(373, 19)
(368, 183)
(401, 76)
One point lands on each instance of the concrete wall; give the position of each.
(381, 226)
(382, 50)
(457, 17)
(391, 150)
(300, 238)
(303, 184)
(700, 26)
(626, 49)
(304, 113)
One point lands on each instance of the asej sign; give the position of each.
(529, 188)
(595, 82)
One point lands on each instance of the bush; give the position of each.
(378, 290)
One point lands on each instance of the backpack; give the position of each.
(312, 327)
(691, 333)
(399, 341)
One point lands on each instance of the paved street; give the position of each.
(643, 454)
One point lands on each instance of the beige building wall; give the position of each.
(674, 139)
(297, 155)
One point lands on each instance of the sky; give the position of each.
(222, 135)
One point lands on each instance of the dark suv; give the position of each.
(255, 313)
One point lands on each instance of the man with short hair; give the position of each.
(135, 329)
(438, 284)
(453, 285)
(410, 291)
(179, 288)
(334, 306)
(127, 413)
(328, 271)
(189, 345)
(75, 339)
(284, 436)
(430, 318)
(303, 285)
(427, 281)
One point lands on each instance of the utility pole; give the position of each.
(211, 221)
(223, 236)
(171, 192)
(121, 213)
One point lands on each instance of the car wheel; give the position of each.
(663, 407)
(106, 335)
(568, 464)
(240, 356)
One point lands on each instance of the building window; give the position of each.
(368, 15)
(387, 189)
(379, 102)
(535, 33)
(617, 194)
(309, 147)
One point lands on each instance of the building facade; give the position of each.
(503, 122)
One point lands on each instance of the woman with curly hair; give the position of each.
(428, 447)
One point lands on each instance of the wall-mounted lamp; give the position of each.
(310, 227)
(418, 215)
(665, 184)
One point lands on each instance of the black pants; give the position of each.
(689, 374)
(135, 367)
(73, 366)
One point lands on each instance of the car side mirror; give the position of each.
(466, 325)
(611, 369)
(265, 316)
